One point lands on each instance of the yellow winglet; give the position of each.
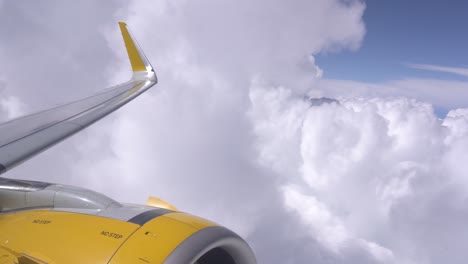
(135, 54)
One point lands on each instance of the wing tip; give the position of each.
(138, 60)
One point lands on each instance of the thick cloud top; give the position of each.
(382, 176)
(229, 132)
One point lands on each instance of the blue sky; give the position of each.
(401, 32)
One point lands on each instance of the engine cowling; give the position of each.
(50, 223)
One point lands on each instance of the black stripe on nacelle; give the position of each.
(144, 217)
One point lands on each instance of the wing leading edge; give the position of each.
(25, 137)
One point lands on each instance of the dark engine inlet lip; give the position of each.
(210, 238)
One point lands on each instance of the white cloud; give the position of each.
(429, 67)
(12, 106)
(382, 175)
(328, 229)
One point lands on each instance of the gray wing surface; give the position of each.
(24, 137)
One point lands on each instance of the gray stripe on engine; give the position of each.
(143, 218)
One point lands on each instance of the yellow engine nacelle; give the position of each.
(49, 223)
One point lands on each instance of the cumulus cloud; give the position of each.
(228, 133)
(379, 174)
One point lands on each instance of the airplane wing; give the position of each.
(44, 222)
(24, 137)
